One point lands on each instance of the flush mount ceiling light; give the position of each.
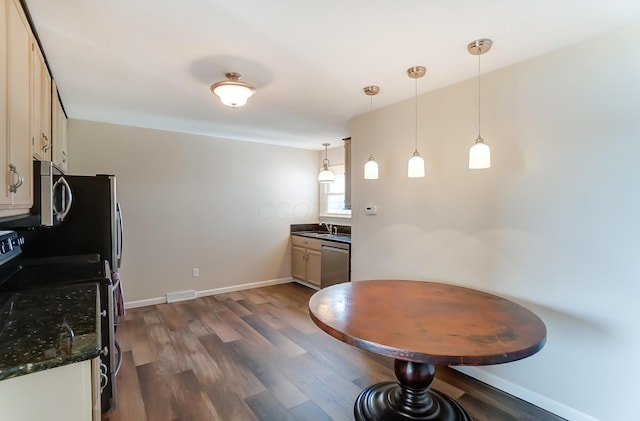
(371, 166)
(416, 163)
(479, 153)
(233, 92)
(325, 176)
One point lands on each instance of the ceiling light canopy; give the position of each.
(233, 92)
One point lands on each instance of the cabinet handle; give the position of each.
(13, 188)
(47, 143)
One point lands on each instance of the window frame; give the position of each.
(325, 192)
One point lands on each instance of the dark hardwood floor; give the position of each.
(256, 355)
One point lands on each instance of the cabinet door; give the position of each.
(5, 197)
(18, 165)
(58, 131)
(40, 106)
(60, 393)
(314, 267)
(298, 263)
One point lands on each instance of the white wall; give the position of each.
(554, 224)
(194, 201)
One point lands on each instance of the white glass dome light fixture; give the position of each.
(371, 166)
(233, 92)
(325, 176)
(415, 168)
(371, 169)
(479, 153)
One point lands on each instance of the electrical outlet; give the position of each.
(196, 272)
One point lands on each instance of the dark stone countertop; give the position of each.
(339, 238)
(34, 324)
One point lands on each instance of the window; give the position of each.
(332, 194)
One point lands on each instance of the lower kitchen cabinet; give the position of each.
(306, 260)
(62, 393)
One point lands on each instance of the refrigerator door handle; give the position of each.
(66, 189)
(120, 233)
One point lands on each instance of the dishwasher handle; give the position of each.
(336, 249)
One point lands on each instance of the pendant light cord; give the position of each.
(416, 112)
(479, 103)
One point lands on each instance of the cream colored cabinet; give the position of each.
(306, 259)
(298, 263)
(16, 191)
(61, 393)
(314, 266)
(40, 105)
(5, 197)
(59, 152)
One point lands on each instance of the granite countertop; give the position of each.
(35, 323)
(339, 238)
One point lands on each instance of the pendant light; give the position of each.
(371, 166)
(325, 176)
(233, 92)
(416, 163)
(479, 153)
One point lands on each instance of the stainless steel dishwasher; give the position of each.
(335, 263)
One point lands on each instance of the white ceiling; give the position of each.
(150, 63)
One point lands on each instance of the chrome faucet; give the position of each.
(327, 226)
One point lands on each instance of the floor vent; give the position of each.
(172, 297)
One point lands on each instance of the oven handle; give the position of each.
(69, 198)
(119, 363)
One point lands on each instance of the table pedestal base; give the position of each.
(410, 399)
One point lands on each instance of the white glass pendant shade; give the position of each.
(479, 155)
(326, 176)
(371, 169)
(416, 166)
(233, 95)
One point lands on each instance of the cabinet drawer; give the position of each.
(310, 243)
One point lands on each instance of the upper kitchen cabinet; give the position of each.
(58, 131)
(40, 105)
(16, 181)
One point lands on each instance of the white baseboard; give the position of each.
(144, 303)
(206, 292)
(308, 285)
(527, 395)
(241, 287)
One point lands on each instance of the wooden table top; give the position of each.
(428, 322)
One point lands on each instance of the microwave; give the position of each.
(52, 198)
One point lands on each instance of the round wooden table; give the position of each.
(421, 325)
